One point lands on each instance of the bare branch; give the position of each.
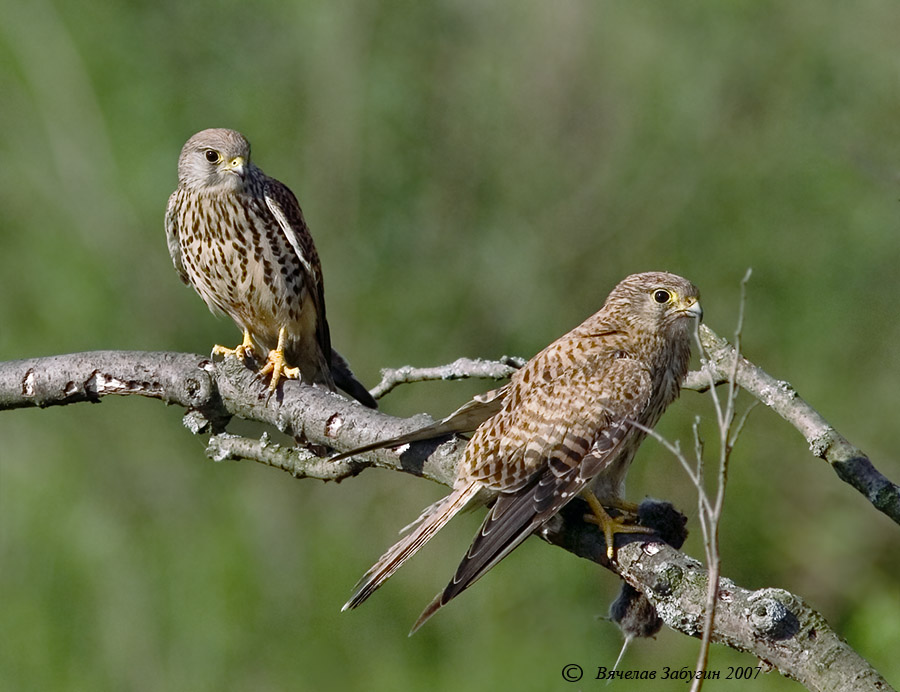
(778, 627)
(774, 625)
(300, 462)
(849, 462)
(461, 368)
(176, 378)
(192, 381)
(701, 380)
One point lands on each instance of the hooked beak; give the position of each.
(235, 165)
(693, 310)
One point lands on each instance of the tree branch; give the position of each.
(775, 626)
(214, 392)
(849, 462)
(461, 368)
(300, 462)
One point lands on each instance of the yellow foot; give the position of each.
(609, 525)
(245, 349)
(276, 367)
(623, 506)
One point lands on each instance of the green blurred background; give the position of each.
(477, 176)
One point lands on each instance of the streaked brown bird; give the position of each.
(569, 422)
(239, 238)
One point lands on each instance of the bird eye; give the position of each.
(662, 296)
(213, 156)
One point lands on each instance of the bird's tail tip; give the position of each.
(410, 544)
(436, 604)
(365, 588)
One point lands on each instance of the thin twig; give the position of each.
(710, 519)
(461, 368)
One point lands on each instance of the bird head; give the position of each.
(214, 160)
(659, 301)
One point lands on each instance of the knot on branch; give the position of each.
(770, 617)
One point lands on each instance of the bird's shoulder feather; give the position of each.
(283, 205)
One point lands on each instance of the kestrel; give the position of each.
(239, 238)
(569, 422)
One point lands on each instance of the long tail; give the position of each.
(409, 545)
(465, 419)
(345, 379)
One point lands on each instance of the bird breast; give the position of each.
(244, 266)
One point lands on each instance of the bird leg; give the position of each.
(275, 365)
(245, 349)
(609, 525)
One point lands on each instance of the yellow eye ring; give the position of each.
(213, 156)
(661, 296)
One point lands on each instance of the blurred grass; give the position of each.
(477, 176)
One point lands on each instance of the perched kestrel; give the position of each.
(569, 422)
(239, 238)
